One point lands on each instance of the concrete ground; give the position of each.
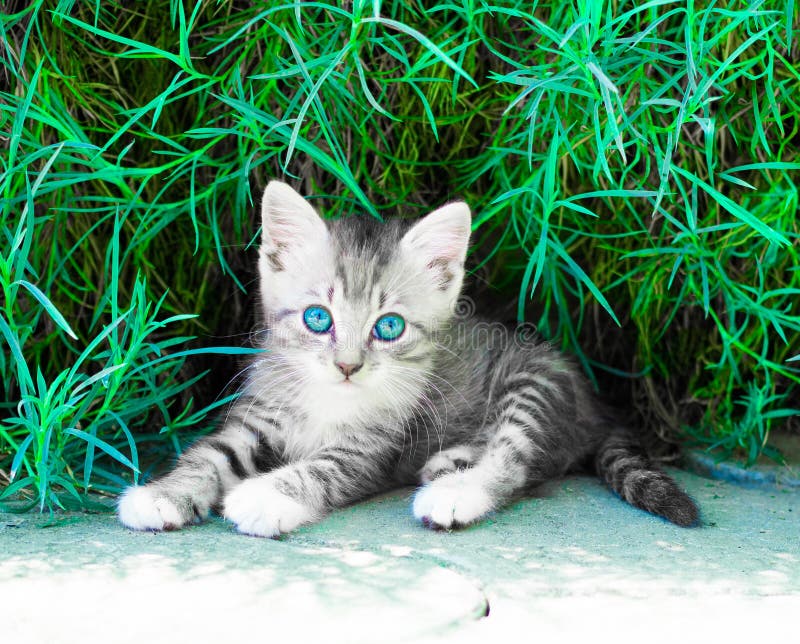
(572, 562)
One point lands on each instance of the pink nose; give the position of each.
(348, 369)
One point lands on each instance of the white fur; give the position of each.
(290, 225)
(140, 509)
(288, 219)
(456, 498)
(258, 508)
(436, 246)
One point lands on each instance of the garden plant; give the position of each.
(631, 166)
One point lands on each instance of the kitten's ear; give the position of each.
(289, 225)
(441, 240)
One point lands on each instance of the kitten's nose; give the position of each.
(348, 369)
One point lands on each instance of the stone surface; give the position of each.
(573, 560)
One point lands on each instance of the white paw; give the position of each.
(139, 509)
(451, 501)
(258, 508)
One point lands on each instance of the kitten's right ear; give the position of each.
(289, 225)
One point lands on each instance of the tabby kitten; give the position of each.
(369, 381)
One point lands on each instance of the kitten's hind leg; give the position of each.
(536, 433)
(512, 460)
(460, 457)
(462, 497)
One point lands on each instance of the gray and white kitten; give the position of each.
(369, 381)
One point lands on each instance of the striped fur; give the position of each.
(456, 403)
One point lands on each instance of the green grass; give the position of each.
(632, 170)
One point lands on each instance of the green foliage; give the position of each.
(628, 163)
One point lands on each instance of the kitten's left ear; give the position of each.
(290, 227)
(441, 240)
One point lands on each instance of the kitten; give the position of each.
(370, 381)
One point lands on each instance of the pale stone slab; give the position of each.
(569, 563)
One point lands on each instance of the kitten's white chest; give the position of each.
(325, 416)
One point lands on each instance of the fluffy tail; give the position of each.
(622, 463)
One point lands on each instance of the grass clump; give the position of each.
(632, 167)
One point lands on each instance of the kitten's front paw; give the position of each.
(451, 501)
(258, 508)
(140, 508)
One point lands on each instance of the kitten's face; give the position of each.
(353, 306)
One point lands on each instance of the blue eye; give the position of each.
(389, 327)
(318, 319)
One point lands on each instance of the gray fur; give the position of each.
(460, 404)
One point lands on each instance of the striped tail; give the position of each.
(623, 465)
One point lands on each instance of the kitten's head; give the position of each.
(353, 305)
